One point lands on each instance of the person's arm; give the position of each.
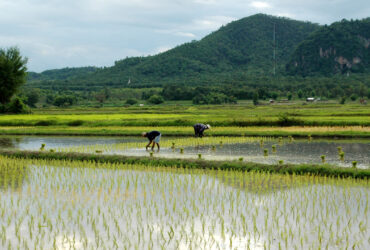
(148, 145)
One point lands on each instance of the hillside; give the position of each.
(341, 48)
(245, 46)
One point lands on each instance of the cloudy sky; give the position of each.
(71, 33)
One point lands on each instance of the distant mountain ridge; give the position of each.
(240, 49)
(342, 47)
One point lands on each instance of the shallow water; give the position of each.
(141, 207)
(297, 151)
(34, 142)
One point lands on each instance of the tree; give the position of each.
(255, 98)
(32, 98)
(156, 99)
(131, 101)
(300, 94)
(64, 101)
(289, 96)
(13, 73)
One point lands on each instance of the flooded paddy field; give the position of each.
(48, 204)
(253, 149)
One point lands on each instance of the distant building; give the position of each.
(310, 99)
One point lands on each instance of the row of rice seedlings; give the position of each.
(74, 204)
(166, 143)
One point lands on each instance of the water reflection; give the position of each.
(12, 174)
(6, 142)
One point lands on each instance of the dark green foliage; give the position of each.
(156, 99)
(342, 100)
(16, 106)
(12, 73)
(64, 101)
(353, 97)
(286, 120)
(213, 98)
(75, 123)
(131, 101)
(45, 123)
(32, 97)
(255, 98)
(60, 74)
(342, 47)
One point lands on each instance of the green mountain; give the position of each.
(60, 74)
(244, 48)
(342, 47)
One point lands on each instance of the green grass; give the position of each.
(297, 169)
(296, 131)
(183, 115)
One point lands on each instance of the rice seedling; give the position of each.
(273, 148)
(199, 156)
(165, 143)
(354, 164)
(341, 156)
(42, 146)
(323, 158)
(291, 139)
(88, 204)
(339, 149)
(265, 152)
(181, 150)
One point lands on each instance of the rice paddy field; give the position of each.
(182, 115)
(51, 204)
(252, 183)
(267, 150)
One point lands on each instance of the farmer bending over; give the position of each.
(199, 129)
(153, 137)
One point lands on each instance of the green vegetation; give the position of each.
(232, 64)
(340, 48)
(183, 115)
(242, 46)
(94, 204)
(314, 169)
(12, 77)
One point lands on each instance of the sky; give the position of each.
(74, 33)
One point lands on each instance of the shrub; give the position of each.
(75, 123)
(156, 99)
(16, 106)
(64, 101)
(45, 123)
(353, 97)
(131, 101)
(342, 100)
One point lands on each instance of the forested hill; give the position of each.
(245, 45)
(60, 74)
(343, 47)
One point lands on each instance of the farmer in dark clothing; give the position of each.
(199, 129)
(153, 137)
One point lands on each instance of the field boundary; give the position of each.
(297, 169)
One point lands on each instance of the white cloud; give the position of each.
(260, 5)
